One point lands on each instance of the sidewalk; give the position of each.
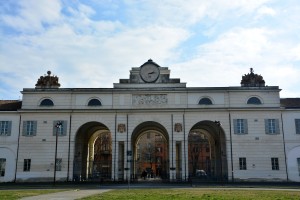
(67, 195)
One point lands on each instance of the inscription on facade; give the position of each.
(149, 99)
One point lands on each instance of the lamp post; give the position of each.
(220, 147)
(57, 126)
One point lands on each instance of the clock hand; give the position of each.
(151, 72)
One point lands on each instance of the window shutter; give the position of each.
(65, 124)
(297, 124)
(235, 126)
(9, 128)
(54, 127)
(277, 131)
(266, 126)
(24, 131)
(245, 126)
(34, 128)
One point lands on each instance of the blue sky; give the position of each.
(94, 43)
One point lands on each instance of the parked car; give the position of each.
(200, 173)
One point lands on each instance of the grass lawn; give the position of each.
(17, 194)
(197, 193)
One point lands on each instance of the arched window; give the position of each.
(254, 100)
(46, 102)
(94, 102)
(205, 101)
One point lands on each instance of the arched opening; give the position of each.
(93, 153)
(205, 101)
(150, 152)
(46, 102)
(94, 102)
(254, 101)
(207, 152)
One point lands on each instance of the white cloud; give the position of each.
(33, 14)
(223, 61)
(187, 13)
(264, 10)
(86, 49)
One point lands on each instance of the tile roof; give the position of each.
(10, 105)
(290, 102)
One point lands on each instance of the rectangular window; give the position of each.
(60, 127)
(240, 126)
(5, 128)
(275, 163)
(298, 161)
(2, 166)
(243, 164)
(29, 128)
(297, 124)
(27, 164)
(58, 164)
(272, 126)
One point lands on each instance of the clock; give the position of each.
(149, 72)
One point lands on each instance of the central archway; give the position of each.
(150, 152)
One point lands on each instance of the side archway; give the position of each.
(293, 164)
(93, 153)
(207, 151)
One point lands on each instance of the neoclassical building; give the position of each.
(150, 127)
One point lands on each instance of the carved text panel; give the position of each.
(149, 99)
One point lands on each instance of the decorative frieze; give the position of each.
(149, 99)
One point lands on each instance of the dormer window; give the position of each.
(46, 102)
(94, 102)
(205, 101)
(254, 101)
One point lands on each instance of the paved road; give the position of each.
(67, 195)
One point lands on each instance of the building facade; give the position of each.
(150, 127)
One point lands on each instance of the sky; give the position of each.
(94, 43)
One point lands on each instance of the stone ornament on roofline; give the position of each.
(47, 81)
(252, 80)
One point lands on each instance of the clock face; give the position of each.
(149, 73)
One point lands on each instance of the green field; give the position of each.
(173, 194)
(179, 194)
(17, 194)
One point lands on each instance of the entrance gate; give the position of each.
(150, 153)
